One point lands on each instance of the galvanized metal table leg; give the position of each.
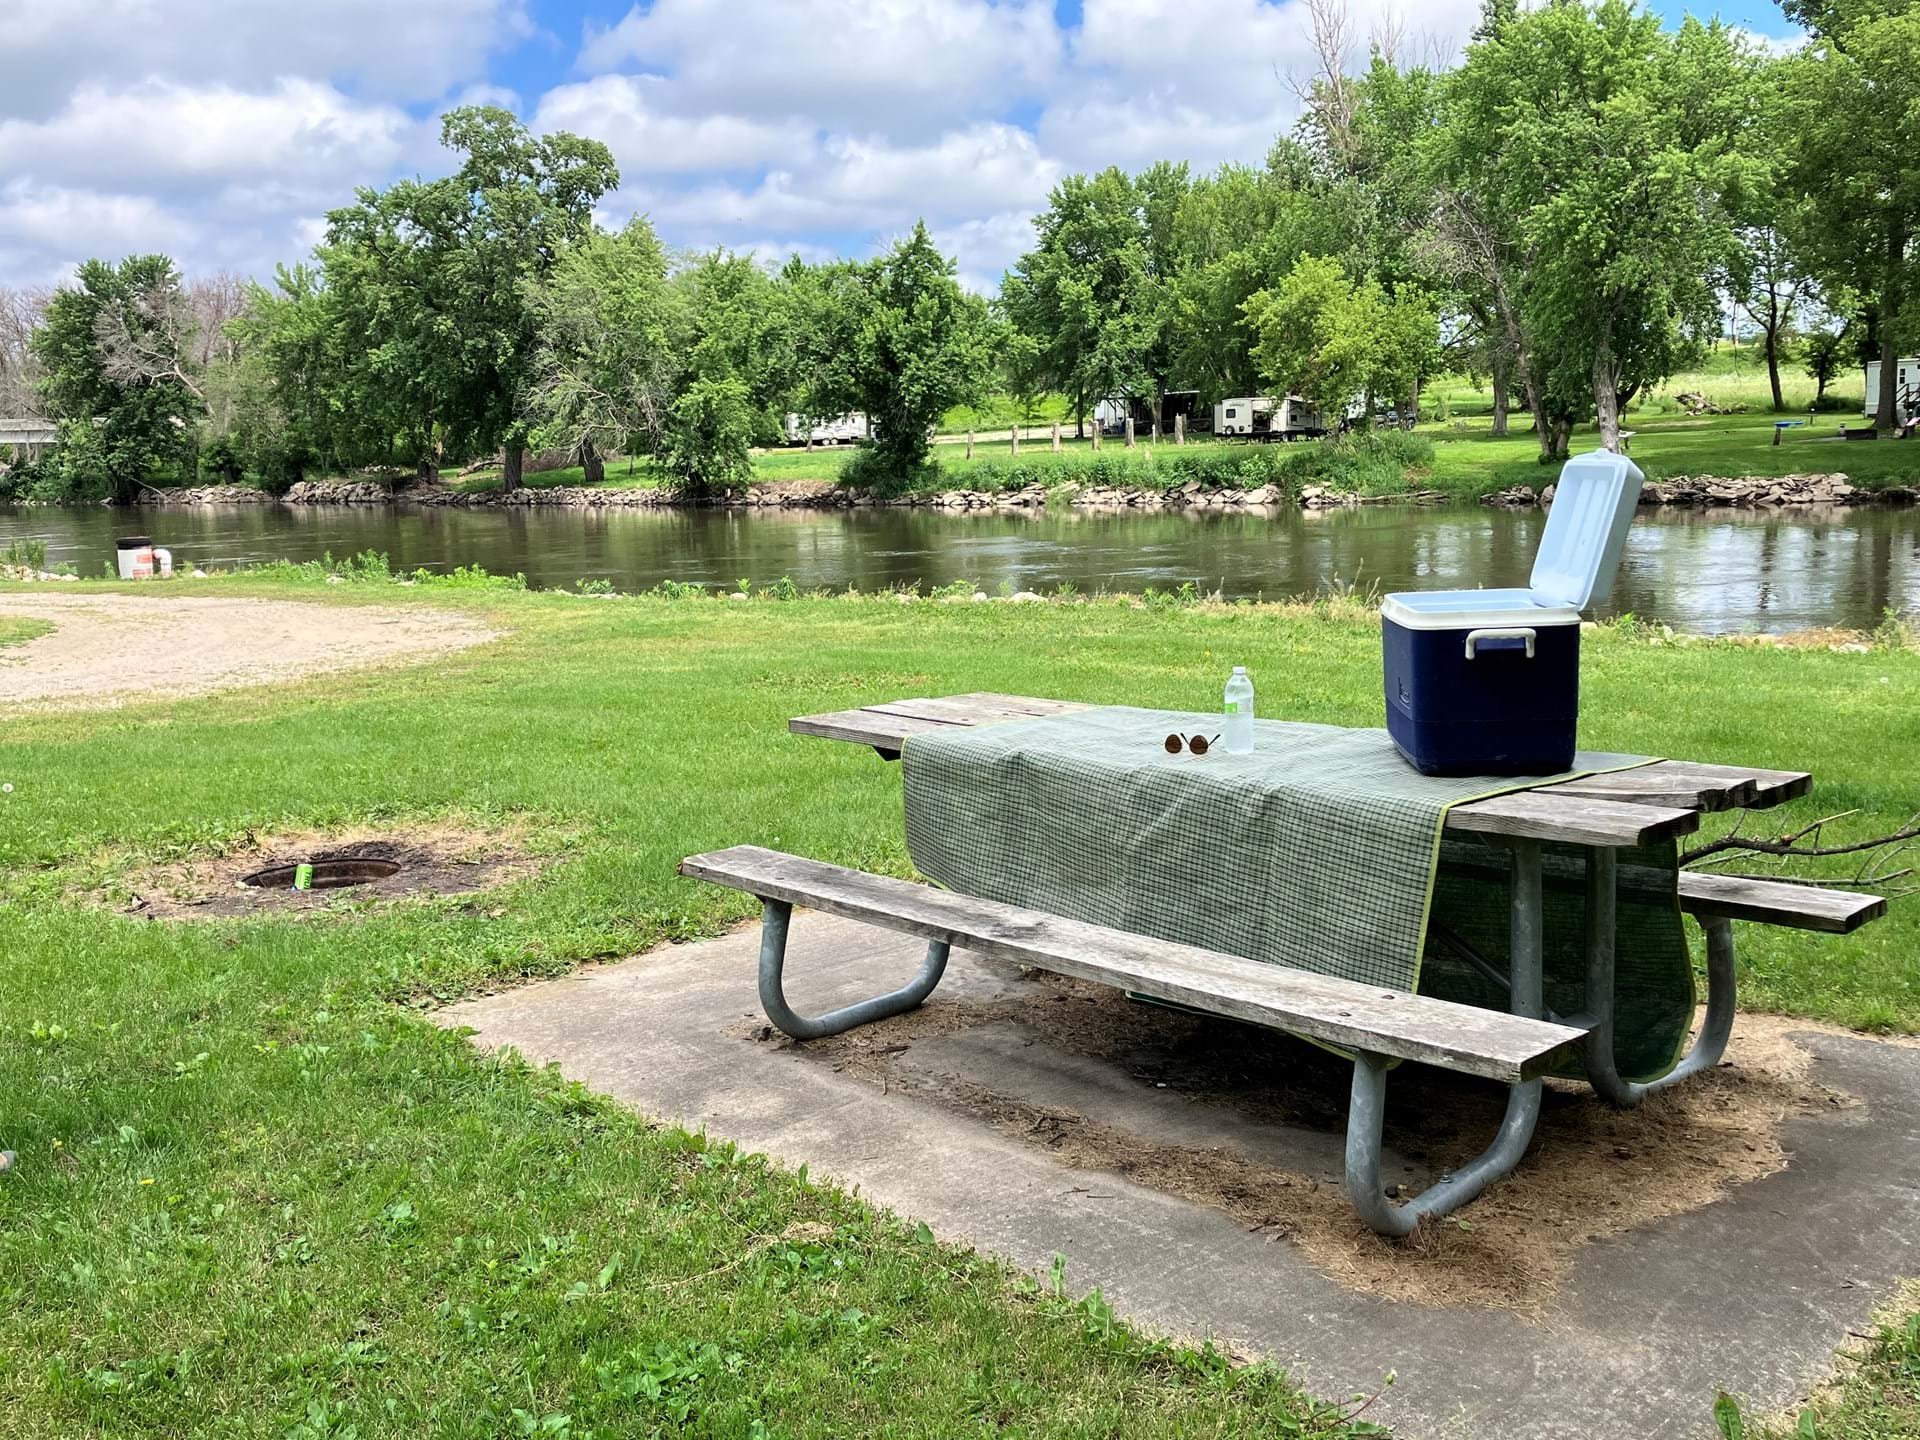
(1708, 1046)
(776, 916)
(1366, 1111)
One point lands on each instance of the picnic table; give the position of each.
(1569, 836)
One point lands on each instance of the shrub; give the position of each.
(220, 461)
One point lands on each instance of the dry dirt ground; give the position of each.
(111, 649)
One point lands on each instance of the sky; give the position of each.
(221, 131)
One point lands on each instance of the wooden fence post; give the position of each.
(1056, 437)
(1094, 435)
(1015, 433)
(1130, 432)
(1179, 429)
(969, 444)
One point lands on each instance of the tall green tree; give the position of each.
(1334, 339)
(1853, 106)
(898, 339)
(435, 275)
(113, 351)
(1085, 293)
(1599, 154)
(603, 372)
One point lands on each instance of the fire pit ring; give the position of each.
(327, 874)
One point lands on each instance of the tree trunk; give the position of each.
(1892, 297)
(426, 474)
(1500, 399)
(593, 463)
(510, 462)
(1606, 394)
(1773, 348)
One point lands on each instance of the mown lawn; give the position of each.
(260, 1195)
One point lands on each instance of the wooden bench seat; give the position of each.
(1778, 902)
(1377, 1024)
(1353, 1016)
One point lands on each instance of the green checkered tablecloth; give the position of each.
(1321, 850)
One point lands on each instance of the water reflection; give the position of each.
(1699, 570)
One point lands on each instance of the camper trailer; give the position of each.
(841, 430)
(1256, 417)
(1906, 386)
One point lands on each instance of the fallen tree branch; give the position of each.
(1877, 853)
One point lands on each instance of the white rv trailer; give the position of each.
(1260, 418)
(1906, 386)
(840, 430)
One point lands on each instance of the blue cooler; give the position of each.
(1487, 682)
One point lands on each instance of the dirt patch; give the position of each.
(114, 649)
(1594, 1171)
(430, 859)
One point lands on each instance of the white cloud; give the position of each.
(162, 133)
(986, 248)
(623, 111)
(222, 132)
(908, 67)
(49, 229)
(404, 49)
(867, 184)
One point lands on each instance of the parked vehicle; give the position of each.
(845, 429)
(1256, 417)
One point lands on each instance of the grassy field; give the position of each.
(259, 1195)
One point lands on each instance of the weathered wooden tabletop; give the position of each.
(1629, 807)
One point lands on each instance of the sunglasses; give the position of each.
(1198, 744)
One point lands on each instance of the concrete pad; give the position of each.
(1751, 1293)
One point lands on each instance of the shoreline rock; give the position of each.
(1760, 492)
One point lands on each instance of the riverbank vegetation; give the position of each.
(255, 1182)
(1419, 223)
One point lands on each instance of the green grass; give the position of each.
(1876, 1397)
(19, 629)
(258, 1194)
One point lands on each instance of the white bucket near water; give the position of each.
(141, 559)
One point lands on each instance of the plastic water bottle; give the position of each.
(1239, 711)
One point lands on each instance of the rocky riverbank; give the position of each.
(791, 494)
(1756, 493)
(1698, 491)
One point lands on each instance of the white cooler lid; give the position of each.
(1473, 610)
(1593, 504)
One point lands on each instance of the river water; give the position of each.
(1708, 572)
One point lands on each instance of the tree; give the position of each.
(1825, 356)
(1084, 294)
(898, 339)
(434, 274)
(112, 352)
(1597, 149)
(603, 371)
(1853, 109)
(1335, 340)
(21, 314)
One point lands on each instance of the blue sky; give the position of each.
(221, 131)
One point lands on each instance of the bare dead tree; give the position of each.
(21, 315)
(1880, 867)
(150, 338)
(1325, 92)
(1389, 37)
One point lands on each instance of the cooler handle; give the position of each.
(1475, 637)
